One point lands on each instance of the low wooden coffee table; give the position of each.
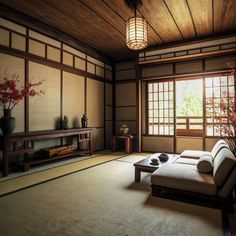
(145, 166)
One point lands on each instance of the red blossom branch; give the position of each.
(11, 94)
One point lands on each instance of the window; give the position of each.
(161, 108)
(219, 92)
(197, 102)
(189, 107)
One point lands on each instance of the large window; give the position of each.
(197, 102)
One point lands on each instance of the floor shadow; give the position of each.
(198, 211)
(143, 185)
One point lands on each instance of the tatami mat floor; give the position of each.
(18, 181)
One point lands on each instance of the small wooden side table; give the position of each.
(128, 142)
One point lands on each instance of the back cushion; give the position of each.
(223, 164)
(219, 144)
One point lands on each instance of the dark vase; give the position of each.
(84, 121)
(7, 122)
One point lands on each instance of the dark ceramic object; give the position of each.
(84, 121)
(7, 122)
(163, 157)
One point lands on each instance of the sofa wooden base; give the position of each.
(195, 198)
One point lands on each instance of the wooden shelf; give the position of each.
(9, 141)
(40, 160)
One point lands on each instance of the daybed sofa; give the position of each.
(200, 177)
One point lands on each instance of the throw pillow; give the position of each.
(204, 164)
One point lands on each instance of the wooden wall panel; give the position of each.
(158, 144)
(54, 54)
(218, 62)
(98, 139)
(91, 68)
(67, 59)
(14, 65)
(18, 42)
(79, 63)
(125, 74)
(126, 113)
(12, 26)
(189, 67)
(125, 65)
(157, 70)
(143, 104)
(36, 48)
(108, 74)
(44, 111)
(108, 95)
(125, 94)
(108, 113)
(44, 38)
(73, 98)
(95, 103)
(4, 37)
(188, 143)
(108, 126)
(99, 71)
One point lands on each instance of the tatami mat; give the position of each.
(28, 180)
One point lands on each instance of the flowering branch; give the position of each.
(11, 94)
(228, 108)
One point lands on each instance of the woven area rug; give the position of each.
(102, 200)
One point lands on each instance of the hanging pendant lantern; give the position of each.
(136, 28)
(136, 33)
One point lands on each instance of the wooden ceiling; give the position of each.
(101, 23)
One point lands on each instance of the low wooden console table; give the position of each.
(128, 142)
(27, 140)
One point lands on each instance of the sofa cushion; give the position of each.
(219, 144)
(184, 177)
(193, 154)
(189, 161)
(204, 164)
(223, 164)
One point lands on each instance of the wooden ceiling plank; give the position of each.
(180, 13)
(201, 11)
(78, 12)
(107, 14)
(224, 15)
(159, 17)
(67, 18)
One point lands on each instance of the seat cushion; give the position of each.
(204, 164)
(223, 164)
(193, 154)
(185, 160)
(184, 177)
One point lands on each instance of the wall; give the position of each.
(74, 82)
(180, 68)
(125, 106)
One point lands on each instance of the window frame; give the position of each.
(186, 133)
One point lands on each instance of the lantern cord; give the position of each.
(134, 4)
